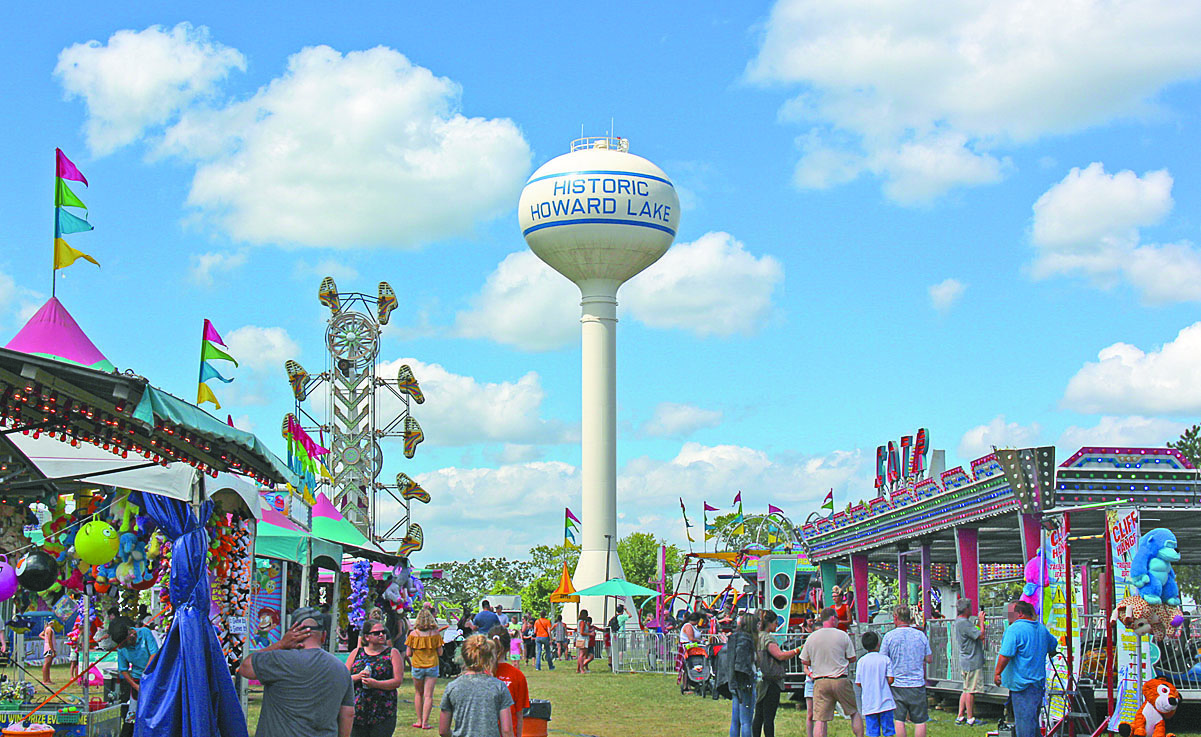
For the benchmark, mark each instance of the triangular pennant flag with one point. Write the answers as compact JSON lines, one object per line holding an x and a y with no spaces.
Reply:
{"x":212,"y":352}
{"x":65,"y":255}
{"x":737,"y":498}
{"x":828,"y":504}
{"x":740,"y":530}
{"x":229,"y":420}
{"x":204,"y":394}
{"x":64,"y":169}
{"x":570,"y":515}
{"x":65,"y":223}
{"x":710,"y":508}
{"x":210,"y":333}
{"x":208,"y":372}
{"x":773,"y":509}
{"x":64,"y":197}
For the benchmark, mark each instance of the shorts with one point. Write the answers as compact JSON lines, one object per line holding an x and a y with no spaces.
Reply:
{"x":973,"y":681}
{"x":911,"y":704}
{"x":879,"y":725}
{"x":419,"y":673}
{"x":830,"y":691}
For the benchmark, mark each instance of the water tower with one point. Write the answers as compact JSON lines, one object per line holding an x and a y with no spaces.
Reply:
{"x":599,"y":215}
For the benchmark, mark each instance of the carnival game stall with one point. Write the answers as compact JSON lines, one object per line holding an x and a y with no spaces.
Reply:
{"x":129,"y":476}
{"x":1069,"y":535}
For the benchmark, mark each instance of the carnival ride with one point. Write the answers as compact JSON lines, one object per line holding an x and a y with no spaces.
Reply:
{"x":355,"y":418}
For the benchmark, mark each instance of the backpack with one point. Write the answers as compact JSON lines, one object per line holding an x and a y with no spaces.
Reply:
{"x":613,"y":625}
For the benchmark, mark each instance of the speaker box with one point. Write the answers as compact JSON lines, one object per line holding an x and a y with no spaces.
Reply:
{"x":778,"y":588}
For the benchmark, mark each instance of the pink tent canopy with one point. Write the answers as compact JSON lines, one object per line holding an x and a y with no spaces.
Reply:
{"x":325,"y":508}
{"x":276,"y":518}
{"x":53,"y":333}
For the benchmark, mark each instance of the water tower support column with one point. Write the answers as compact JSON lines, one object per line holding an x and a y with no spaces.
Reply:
{"x":599,"y":438}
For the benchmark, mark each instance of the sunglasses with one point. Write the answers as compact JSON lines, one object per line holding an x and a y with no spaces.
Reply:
{"x":378,"y":632}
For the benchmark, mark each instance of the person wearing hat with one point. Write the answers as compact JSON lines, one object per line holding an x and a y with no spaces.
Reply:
{"x":307,"y":692}
{"x":970,"y":639}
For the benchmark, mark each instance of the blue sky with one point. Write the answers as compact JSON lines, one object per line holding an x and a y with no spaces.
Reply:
{"x":978,"y":219}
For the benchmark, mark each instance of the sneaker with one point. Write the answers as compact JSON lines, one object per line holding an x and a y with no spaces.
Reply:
{"x":961,"y":720}
{"x":974,"y":722}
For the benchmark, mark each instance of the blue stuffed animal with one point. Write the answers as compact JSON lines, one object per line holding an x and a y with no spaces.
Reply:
{"x":1151,"y":570}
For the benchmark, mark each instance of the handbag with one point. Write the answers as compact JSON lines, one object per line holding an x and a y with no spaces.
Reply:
{"x":581,"y":642}
{"x":772,"y":669}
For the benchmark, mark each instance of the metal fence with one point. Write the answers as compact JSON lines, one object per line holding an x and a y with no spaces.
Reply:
{"x":645,"y":652}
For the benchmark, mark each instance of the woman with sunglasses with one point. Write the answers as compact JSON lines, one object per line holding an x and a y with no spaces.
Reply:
{"x":377,"y":670}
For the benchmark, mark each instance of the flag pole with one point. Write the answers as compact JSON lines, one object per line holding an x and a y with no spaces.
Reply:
{"x":53,"y":245}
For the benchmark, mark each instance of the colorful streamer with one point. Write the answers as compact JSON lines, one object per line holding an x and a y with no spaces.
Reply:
{"x":570,"y":528}
{"x":209,"y":340}
{"x":65,"y":222}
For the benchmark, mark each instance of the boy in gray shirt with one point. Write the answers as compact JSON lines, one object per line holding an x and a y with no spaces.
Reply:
{"x":970,"y":640}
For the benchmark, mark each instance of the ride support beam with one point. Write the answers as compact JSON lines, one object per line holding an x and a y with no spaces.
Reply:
{"x":1032,"y":535}
{"x":967,"y":550}
{"x":829,"y":580}
{"x":927,"y":601}
{"x":859,"y":579}
{"x":903,"y":577}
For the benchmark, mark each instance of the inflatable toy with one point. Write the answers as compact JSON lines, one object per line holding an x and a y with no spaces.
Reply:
{"x":37,"y":571}
{"x":96,"y":543}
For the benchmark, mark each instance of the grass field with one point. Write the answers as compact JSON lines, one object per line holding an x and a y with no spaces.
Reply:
{"x":601,"y":704}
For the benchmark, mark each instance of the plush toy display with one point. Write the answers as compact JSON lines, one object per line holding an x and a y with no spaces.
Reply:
{"x":1151,"y":569}
{"x":1036,"y":578}
{"x":1141,"y":618}
{"x":1160,"y":701}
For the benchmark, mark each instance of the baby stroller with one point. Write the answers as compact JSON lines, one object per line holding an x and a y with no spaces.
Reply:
{"x":448,"y":665}
{"x":715,"y":657}
{"x":694,"y":669}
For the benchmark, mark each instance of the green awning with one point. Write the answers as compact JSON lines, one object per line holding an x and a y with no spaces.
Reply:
{"x":281,"y":543}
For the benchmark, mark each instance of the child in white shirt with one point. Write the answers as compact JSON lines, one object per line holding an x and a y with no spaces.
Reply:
{"x":873,"y":675}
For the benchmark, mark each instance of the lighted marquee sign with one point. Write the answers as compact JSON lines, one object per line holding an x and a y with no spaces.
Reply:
{"x":904,"y":462}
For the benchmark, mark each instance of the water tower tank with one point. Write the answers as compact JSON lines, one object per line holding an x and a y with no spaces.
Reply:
{"x":599,"y":213}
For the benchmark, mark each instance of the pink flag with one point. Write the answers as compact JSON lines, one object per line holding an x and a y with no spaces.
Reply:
{"x":229,"y":420}
{"x":64,"y":169}
{"x":710,"y":508}
{"x":738,"y":498}
{"x":773,"y":509}
{"x":210,"y":334}
{"x":572,"y":516}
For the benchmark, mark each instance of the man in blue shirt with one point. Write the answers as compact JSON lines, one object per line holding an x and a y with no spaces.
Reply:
{"x":1021,"y":667}
{"x":486,"y":619}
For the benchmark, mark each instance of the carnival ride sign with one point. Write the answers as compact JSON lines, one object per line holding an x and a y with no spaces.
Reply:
{"x":1055,"y":615}
{"x":904,"y":462}
{"x":1122,"y":533}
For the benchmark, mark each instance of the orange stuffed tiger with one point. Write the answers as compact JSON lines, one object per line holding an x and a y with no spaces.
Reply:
{"x":1160,"y":701}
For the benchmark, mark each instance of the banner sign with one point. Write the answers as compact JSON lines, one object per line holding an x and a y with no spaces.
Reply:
{"x":1122,"y":534}
{"x":266,"y":608}
{"x":1055,"y":615}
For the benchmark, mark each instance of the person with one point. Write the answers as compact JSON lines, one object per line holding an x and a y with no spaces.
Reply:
{"x":1021,"y":667}
{"x":827,"y":656}
{"x":689,"y":635}
{"x":559,"y":634}
{"x":873,"y":675}
{"x":585,"y":637}
{"x":48,"y":647}
{"x":307,"y":692}
{"x":808,"y":625}
{"x":486,"y":619}
{"x":423,"y":646}
{"x":841,"y":608}
{"x":514,"y":680}
{"x":465,"y":625}
{"x":527,"y":638}
{"x":908,"y":649}
{"x":377,"y":671}
{"x":770,"y":658}
{"x":970,"y":640}
{"x":542,"y":642}
{"x":136,"y":648}
{"x":739,"y":675}
{"x":476,"y":704}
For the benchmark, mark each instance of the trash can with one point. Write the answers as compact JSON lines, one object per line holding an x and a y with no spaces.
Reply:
{"x":537,"y":714}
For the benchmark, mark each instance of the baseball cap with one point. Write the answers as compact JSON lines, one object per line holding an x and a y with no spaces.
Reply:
{"x":321,"y":619}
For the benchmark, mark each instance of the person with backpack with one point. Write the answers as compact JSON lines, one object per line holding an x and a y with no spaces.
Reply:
{"x":770,"y":658}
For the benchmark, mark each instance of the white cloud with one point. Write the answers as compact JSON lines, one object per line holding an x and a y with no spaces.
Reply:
{"x":678,"y":420}
{"x":1088,"y":224}
{"x":922,"y":94}
{"x":711,"y":286}
{"x":262,"y":349}
{"x":979,"y":440}
{"x":525,"y":304}
{"x":140,"y":79}
{"x":1127,"y":380}
{"x":205,"y":266}
{"x":1132,"y":432}
{"x":17,"y":302}
{"x":527,"y":499}
{"x":945,"y":294}
{"x":338,"y":269}
{"x":460,"y":410}
{"x":349,"y":150}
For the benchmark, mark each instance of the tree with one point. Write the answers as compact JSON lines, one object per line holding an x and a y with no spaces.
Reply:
{"x":639,"y":555}
{"x":546,"y":563}
{"x":465,"y":583}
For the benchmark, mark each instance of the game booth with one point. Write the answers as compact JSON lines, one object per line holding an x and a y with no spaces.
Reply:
{"x":1090,"y":543}
{"x":115,"y":495}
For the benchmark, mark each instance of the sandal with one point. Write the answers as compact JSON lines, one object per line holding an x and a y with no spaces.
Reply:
{"x":416,"y":725}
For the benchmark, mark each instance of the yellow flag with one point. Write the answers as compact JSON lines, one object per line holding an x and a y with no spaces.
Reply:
{"x":65,"y":255}
{"x":204,"y":394}
{"x":740,"y":530}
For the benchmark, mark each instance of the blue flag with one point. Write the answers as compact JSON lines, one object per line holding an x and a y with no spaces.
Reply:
{"x":208,"y":372}
{"x":65,"y":222}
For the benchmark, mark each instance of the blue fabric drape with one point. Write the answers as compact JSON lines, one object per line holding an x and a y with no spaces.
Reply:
{"x":187,"y":691}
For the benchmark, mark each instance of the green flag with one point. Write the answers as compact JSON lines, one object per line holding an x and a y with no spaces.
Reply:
{"x":64,"y":197}
{"x":210,"y":351}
